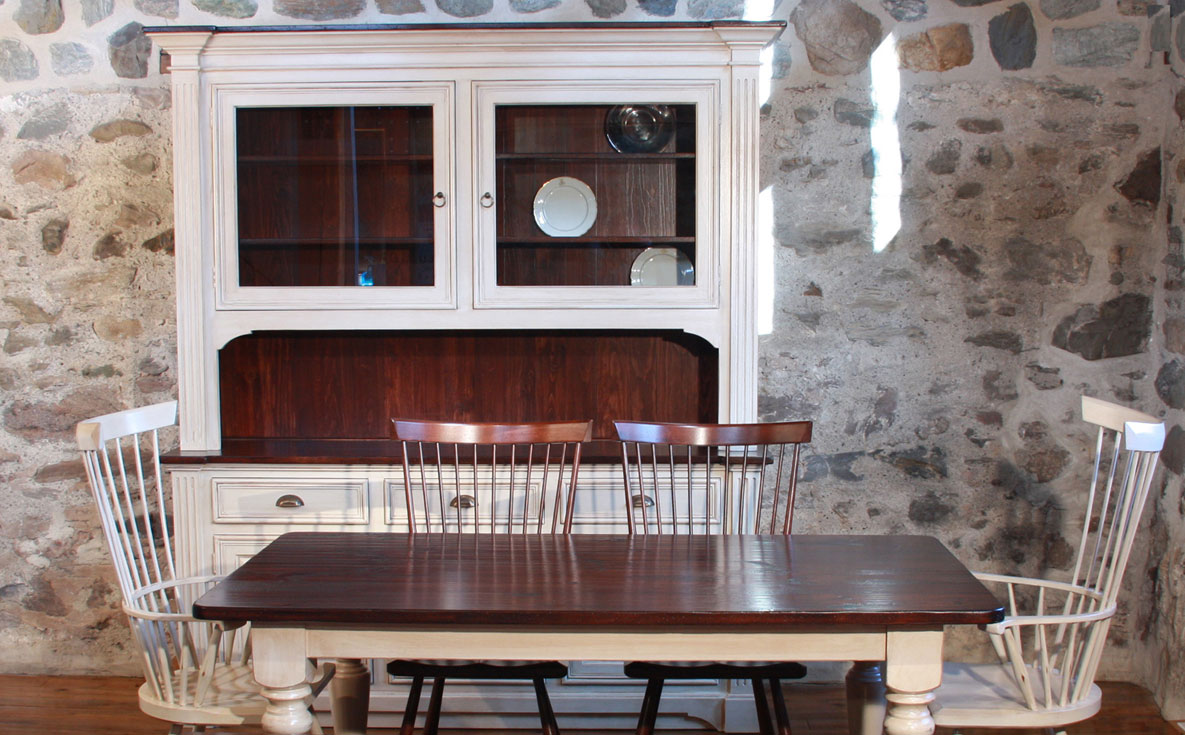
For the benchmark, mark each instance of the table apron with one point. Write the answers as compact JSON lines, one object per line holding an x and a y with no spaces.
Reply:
{"x":798,"y":644}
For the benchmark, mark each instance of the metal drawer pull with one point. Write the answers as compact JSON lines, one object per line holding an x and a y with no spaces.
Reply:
{"x":289,"y":501}
{"x":438,"y":200}
{"x":643,"y":500}
{"x":463,"y":501}
{"x":487,"y":200}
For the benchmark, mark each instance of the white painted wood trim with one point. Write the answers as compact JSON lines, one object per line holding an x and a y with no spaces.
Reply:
{"x":742,"y":368}
{"x":196,"y":358}
{"x":532,"y":643}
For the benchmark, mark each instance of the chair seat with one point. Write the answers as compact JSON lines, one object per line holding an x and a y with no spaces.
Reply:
{"x":984,"y":695}
{"x":478,"y":669}
{"x":715,"y":670}
{"x":233,"y":698}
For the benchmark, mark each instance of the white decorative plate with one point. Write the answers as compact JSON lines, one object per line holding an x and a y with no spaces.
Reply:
{"x":565,"y":207}
{"x":662,"y":267}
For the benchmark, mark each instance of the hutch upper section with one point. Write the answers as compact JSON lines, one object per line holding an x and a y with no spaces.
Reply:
{"x":464,"y":178}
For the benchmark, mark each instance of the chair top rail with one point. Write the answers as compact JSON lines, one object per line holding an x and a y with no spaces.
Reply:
{"x":1141,"y":431}
{"x":93,"y":432}
{"x":787,"y":432}
{"x":493,"y":433}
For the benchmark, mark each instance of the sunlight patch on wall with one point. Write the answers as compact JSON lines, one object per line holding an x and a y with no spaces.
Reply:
{"x":765,"y":75}
{"x":759,"y":9}
{"x":886,"y":145}
{"x":765,"y":261}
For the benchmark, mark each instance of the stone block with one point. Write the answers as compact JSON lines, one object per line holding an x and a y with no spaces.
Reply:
{"x":1109,"y":45}
{"x":1013,"y":38}
{"x":37,"y":17}
{"x":320,"y":9}
{"x":128,"y":50}
{"x":67,"y":59}
{"x":1115,"y":328}
{"x":248,"y":8}
{"x":17,"y":62}
{"x":839,"y":35}
{"x":606,"y":8}
{"x":937,"y":49}
{"x":1062,"y":9}
{"x":905,"y":10}
{"x":1142,"y":183}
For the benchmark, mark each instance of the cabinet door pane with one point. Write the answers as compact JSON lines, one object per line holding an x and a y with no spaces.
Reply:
{"x":335,"y":196}
{"x":595,"y":195}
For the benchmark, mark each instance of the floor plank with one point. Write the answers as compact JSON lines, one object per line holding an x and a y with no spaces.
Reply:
{"x":74,"y":705}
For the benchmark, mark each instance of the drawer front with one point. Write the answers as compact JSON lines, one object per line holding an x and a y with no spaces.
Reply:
{"x":600,"y":505}
{"x":297,"y":500}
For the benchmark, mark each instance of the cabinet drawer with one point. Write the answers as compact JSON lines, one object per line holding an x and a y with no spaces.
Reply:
{"x":267,"y":500}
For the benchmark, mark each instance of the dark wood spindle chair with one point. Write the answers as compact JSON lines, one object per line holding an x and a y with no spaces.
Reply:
{"x":713,"y":479}
{"x":466,"y":478}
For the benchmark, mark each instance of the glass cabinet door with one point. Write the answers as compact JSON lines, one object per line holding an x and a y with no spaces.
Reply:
{"x":595,"y":195}
{"x":335,"y":196}
{"x":342,"y":203}
{"x":587,"y":196}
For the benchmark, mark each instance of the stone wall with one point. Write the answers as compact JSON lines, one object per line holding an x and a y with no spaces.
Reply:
{"x":943,"y":282}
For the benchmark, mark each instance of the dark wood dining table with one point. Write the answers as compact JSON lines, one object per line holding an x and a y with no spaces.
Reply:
{"x":355,"y":596}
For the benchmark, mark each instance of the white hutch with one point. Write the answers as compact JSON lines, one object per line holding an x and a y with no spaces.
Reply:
{"x":476,"y":222}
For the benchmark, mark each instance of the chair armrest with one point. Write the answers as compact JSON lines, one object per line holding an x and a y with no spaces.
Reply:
{"x":1057,"y":603}
{"x":160,"y":601}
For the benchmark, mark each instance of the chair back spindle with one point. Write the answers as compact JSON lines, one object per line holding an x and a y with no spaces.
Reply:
{"x":490,"y":477}
{"x":711,"y":478}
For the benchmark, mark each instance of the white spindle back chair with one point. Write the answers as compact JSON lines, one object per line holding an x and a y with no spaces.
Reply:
{"x":197,"y":672}
{"x":1051,"y":641}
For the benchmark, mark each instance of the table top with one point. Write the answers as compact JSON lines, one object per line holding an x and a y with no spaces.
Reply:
{"x":607,"y":580}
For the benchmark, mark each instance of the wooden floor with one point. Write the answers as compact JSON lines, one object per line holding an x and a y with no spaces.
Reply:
{"x":33,"y":705}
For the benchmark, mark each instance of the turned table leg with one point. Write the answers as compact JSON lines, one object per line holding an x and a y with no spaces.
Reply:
{"x":282,"y":669}
{"x":913,"y":670}
{"x":350,"y":694}
{"x":287,"y":710}
{"x":866,"y":698}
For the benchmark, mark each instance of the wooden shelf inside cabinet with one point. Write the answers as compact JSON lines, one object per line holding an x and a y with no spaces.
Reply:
{"x":333,"y":160}
{"x":628,"y":157}
{"x":348,"y":241}
{"x":625,"y":242}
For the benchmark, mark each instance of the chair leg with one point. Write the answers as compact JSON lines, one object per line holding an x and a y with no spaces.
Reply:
{"x":783,"y":719}
{"x":649,"y":713}
{"x":433,"y":720}
{"x":546,"y":714}
{"x":412,"y":706}
{"x":759,"y":700}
